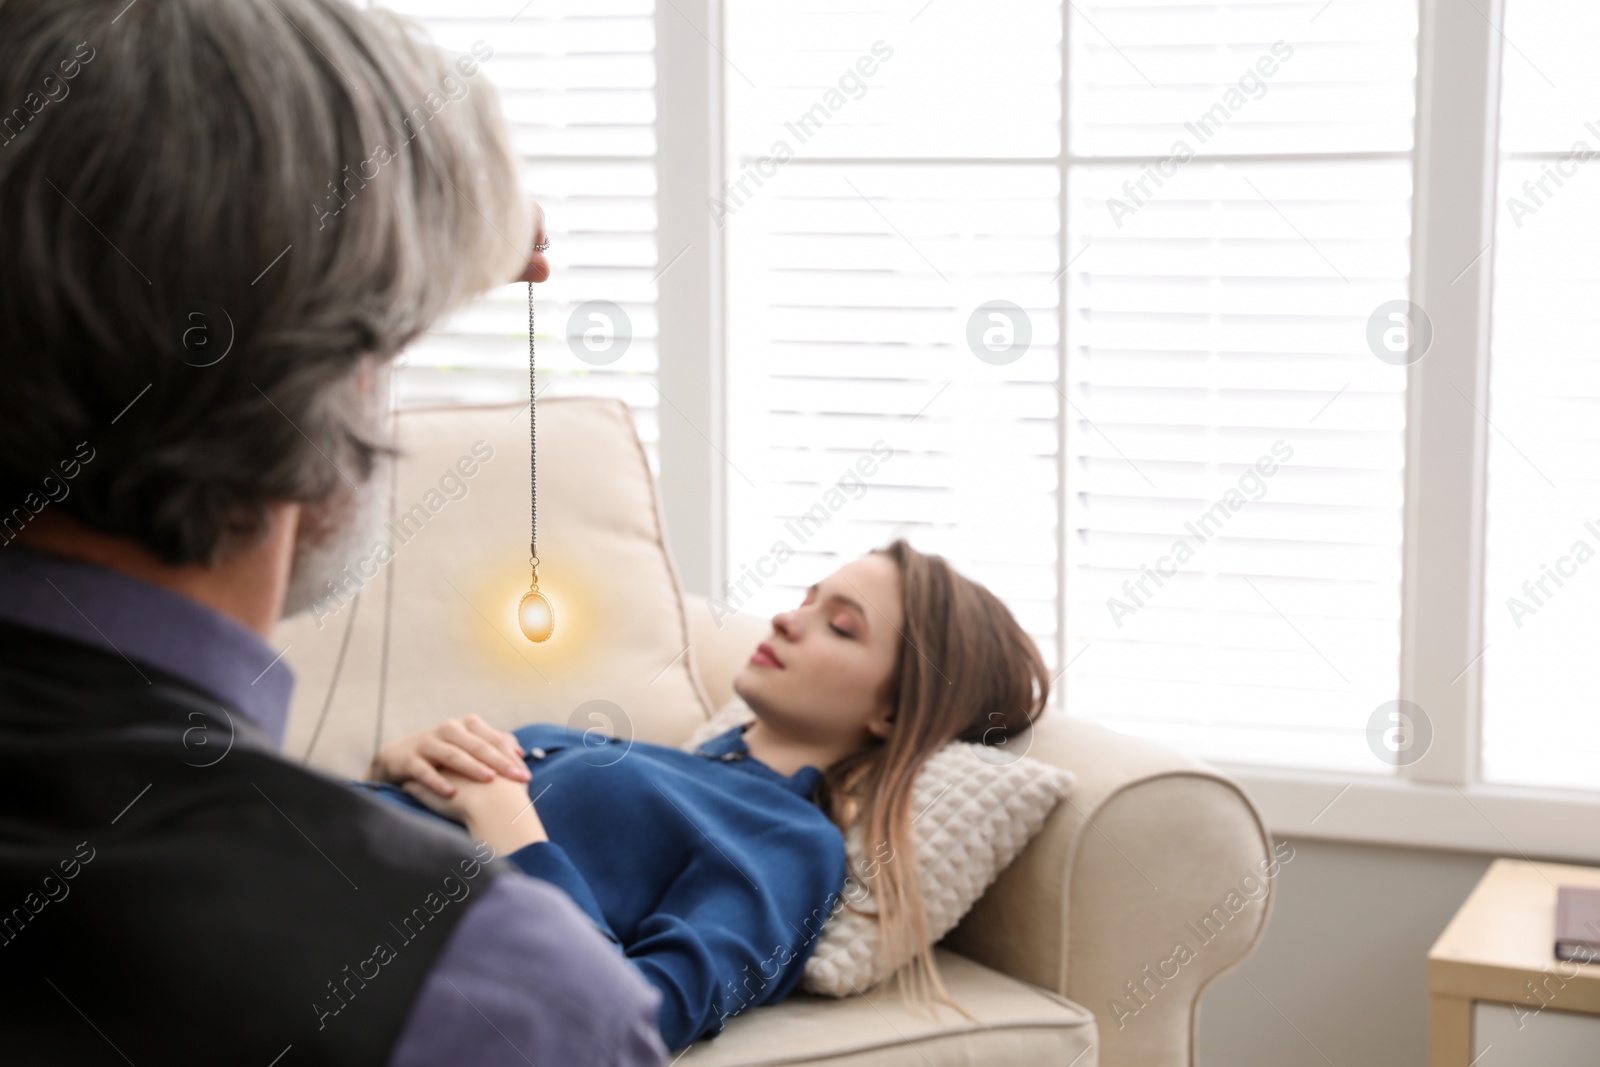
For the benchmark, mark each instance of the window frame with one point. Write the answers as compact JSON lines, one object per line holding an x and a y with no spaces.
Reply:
{"x":1440,"y":801}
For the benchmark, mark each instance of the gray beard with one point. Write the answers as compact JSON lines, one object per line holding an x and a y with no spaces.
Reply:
{"x":334,"y":535}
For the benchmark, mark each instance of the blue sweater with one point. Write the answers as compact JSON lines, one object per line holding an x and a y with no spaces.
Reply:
{"x":710,"y":871}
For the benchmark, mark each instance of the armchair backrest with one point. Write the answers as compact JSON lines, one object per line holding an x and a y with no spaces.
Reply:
{"x":425,"y":627}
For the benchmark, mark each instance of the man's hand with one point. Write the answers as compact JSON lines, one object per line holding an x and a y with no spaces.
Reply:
{"x":469,"y":747}
{"x":538,"y":267}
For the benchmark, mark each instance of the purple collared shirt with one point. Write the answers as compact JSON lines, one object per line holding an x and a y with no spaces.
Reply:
{"x":524,"y":978}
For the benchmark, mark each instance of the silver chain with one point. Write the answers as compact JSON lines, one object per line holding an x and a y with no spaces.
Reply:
{"x":533,"y":447}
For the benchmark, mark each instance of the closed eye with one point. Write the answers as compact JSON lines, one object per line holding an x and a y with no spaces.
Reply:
{"x":841,"y":632}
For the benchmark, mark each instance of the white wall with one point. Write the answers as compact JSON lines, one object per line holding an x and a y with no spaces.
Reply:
{"x":1344,"y":959}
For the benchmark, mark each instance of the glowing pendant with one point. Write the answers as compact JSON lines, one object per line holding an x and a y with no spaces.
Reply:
{"x":535,"y":617}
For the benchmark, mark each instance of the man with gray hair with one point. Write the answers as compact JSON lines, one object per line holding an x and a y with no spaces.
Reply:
{"x":219,"y":222}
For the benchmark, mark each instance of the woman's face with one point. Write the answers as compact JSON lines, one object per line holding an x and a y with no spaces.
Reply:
{"x":823,"y":673}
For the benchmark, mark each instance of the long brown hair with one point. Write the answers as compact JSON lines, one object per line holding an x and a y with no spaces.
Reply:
{"x":966,"y":671}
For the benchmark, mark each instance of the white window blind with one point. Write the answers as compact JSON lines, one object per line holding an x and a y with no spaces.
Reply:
{"x":880,"y":192}
{"x":1209,"y":315}
{"x":1541,"y":697}
{"x":577,"y":83}
{"x":1239,"y":207}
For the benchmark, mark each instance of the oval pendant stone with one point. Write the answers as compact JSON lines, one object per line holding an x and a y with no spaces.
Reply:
{"x":535,"y":616}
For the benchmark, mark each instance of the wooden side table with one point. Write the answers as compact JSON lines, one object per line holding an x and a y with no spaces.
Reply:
{"x":1499,"y":996}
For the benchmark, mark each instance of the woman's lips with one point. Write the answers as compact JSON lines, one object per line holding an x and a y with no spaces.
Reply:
{"x":765,"y":657}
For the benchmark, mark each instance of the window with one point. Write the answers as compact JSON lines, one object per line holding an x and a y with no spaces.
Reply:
{"x":1541,"y":723}
{"x":1240,"y":203}
{"x":897,"y":270}
{"x":878,"y":204}
{"x":1057,"y":288}
{"x":577,"y":84}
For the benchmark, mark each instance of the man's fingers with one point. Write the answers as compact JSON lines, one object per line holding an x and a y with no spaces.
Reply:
{"x":537,"y":268}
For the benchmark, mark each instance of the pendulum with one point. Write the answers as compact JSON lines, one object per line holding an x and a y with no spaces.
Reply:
{"x":534,"y":614}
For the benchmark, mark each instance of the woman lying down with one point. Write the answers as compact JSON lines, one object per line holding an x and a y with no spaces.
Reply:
{"x":712,"y":871}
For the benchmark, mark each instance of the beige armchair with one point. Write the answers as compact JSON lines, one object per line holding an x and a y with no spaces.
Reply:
{"x":1093,"y":947}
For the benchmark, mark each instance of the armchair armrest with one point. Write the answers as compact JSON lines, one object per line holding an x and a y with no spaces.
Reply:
{"x":1148,"y":882}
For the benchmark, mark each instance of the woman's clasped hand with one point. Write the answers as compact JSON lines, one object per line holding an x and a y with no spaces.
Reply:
{"x":467,"y":771}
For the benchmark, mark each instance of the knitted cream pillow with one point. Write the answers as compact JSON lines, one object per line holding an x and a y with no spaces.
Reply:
{"x":976,"y":807}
